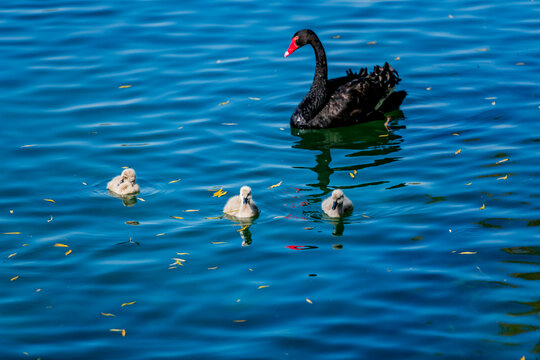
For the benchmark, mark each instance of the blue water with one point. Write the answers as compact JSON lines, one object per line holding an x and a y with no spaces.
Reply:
{"x":440,"y":259}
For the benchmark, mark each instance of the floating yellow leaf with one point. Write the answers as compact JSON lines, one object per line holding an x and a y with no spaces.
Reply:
{"x":219,"y":193}
{"x":242,"y":229}
{"x":107,"y":314}
{"x":12,"y":255}
{"x":309,"y":301}
{"x":124,"y":86}
{"x":522,"y":358}
{"x":457,"y":152}
{"x":12,"y":233}
{"x":218,"y":242}
{"x":128,"y":303}
{"x":483,"y":207}
{"x":455,"y":134}
{"x":49,"y":200}
{"x":365,"y":216}
{"x":383,"y":135}
{"x":224,"y":103}
{"x":352,"y":175}
{"x":468,"y":184}
{"x":123,"y":332}
{"x":212,"y":268}
{"x":467,"y":252}
{"x":60,"y":245}
{"x":182,"y":253}
{"x":501,"y":161}
{"x":263,"y":286}
{"x":38,"y":290}
{"x":141,"y":199}
{"x":51,"y":219}
{"x":503,"y":178}
{"x":354,"y":171}
{"x":11,"y":211}
{"x":173,"y":181}
{"x":177,"y":217}
{"x":68,"y":252}
{"x":85,"y":184}
{"x":160,"y":234}
{"x":191,"y":210}
{"x":276,"y":185}
{"x":213,"y":217}
{"x":14,"y":278}
{"x":428,"y":88}
{"x":372,"y":42}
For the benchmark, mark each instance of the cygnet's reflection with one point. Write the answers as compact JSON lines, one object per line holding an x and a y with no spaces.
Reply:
{"x":245,"y":224}
{"x":127,"y":200}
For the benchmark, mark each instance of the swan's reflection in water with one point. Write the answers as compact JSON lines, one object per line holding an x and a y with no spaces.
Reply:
{"x":245,"y":224}
{"x":366,"y":146}
{"x":127,"y":200}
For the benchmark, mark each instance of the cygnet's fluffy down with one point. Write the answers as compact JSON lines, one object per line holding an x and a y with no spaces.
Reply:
{"x":241,"y":206}
{"x":124,"y":184}
{"x":337,"y":204}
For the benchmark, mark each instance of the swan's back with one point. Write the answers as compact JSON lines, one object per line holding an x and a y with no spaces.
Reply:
{"x":356,"y":98}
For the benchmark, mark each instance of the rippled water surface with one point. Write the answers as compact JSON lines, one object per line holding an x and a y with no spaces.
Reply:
{"x":440,"y":259}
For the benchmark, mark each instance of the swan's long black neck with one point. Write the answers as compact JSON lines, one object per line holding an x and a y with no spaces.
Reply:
{"x":316,"y":98}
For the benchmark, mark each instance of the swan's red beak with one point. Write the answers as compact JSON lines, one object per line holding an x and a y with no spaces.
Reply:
{"x":292,"y":47}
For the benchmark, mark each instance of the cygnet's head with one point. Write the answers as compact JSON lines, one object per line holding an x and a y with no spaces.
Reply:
{"x":245,"y":193}
{"x":337,"y":198}
{"x":129,"y":175}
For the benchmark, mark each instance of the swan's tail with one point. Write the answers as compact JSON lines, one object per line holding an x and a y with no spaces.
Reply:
{"x":385,"y":78}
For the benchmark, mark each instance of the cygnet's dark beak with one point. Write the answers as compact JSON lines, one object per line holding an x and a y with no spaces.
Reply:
{"x":334,"y":205}
{"x":245,"y":200}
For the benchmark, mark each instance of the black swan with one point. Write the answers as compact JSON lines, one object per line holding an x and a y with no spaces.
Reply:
{"x":348,"y":100}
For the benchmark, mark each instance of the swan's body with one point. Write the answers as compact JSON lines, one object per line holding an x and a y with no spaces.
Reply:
{"x":337,"y":204}
{"x":241,"y":206}
{"x":348,"y":100}
{"x":124,"y":184}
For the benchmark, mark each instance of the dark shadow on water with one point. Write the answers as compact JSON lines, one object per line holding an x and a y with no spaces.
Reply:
{"x":371,"y":140}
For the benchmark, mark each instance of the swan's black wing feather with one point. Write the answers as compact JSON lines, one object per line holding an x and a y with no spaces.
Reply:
{"x":360,"y":99}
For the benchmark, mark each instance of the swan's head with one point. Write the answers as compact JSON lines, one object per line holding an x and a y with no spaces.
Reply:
{"x":245,"y":194}
{"x":128,"y":175}
{"x":300,"y":38}
{"x":337,"y":198}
